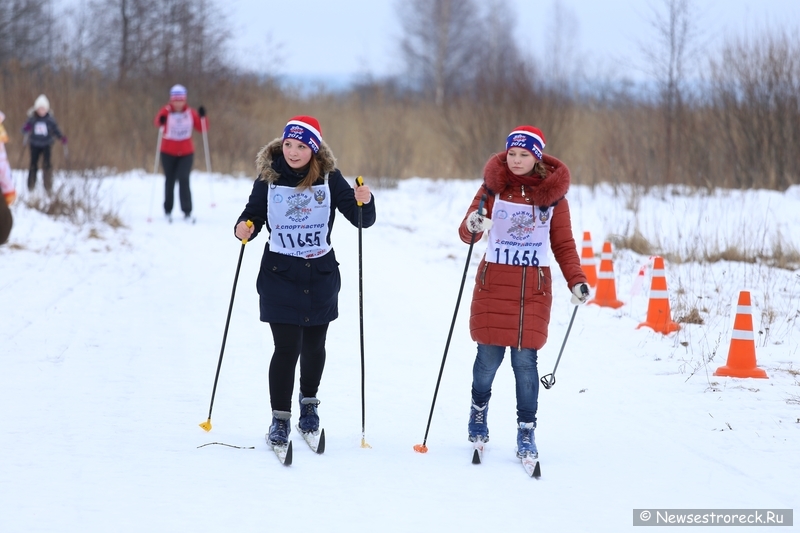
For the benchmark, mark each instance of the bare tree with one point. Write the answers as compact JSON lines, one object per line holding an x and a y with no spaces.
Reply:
{"x":157,"y":38}
{"x":670,"y":57}
{"x":439,"y":44}
{"x":755,"y":88}
{"x":26,"y":32}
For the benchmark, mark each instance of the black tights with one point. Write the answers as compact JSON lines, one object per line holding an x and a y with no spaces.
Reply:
{"x":177,"y":168}
{"x":47,"y":174}
{"x":293,"y":342}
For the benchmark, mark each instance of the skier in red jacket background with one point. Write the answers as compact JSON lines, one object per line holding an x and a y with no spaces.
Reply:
{"x":177,"y":149}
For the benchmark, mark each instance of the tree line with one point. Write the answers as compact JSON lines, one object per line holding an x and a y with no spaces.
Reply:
{"x":725,"y":116}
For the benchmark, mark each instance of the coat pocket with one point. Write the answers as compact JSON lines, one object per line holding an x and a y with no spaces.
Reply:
{"x":278,"y":265}
{"x":327,"y":270}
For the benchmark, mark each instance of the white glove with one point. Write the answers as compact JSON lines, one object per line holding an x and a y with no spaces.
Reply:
{"x":477,"y":222}
{"x":580,"y":293}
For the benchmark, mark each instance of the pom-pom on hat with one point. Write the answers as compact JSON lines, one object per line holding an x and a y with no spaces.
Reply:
{"x":527,"y":137}
{"x":306,"y":130}
{"x":177,"y":92}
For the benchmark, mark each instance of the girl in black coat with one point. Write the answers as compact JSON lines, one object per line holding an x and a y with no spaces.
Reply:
{"x":297,"y":193}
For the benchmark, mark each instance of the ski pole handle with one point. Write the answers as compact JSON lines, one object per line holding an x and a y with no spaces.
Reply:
{"x":480,"y":210}
{"x":359,"y":183}
{"x":249,"y":224}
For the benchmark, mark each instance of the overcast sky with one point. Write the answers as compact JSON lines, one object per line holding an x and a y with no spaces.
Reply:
{"x":346,"y":37}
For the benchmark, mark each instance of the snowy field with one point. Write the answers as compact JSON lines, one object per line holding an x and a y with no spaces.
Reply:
{"x":109,"y":341}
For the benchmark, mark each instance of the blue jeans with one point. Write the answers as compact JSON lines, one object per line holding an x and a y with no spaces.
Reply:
{"x":525,"y":371}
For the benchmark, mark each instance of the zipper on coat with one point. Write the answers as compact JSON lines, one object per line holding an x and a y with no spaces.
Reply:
{"x":521,"y":308}
{"x":541,"y":276}
{"x":483,"y":272}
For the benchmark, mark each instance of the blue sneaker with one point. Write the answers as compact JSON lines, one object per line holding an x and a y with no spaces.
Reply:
{"x":526,"y":444}
{"x":280,"y":428}
{"x":309,"y":419}
{"x":478,"y":428}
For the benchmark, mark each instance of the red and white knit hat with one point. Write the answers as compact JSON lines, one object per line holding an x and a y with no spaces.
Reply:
{"x":527,"y":137}
{"x":177,"y":92}
{"x":305,"y":129}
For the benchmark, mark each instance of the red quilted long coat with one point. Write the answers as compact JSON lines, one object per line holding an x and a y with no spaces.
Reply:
{"x":511,"y":304}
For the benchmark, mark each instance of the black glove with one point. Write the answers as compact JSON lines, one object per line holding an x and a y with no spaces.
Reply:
{"x":201,"y":111}
{"x":162,"y":119}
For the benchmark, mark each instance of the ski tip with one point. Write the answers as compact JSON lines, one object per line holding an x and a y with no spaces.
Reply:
{"x":537,"y":471}
{"x":476,"y":457}
{"x":420,"y":448}
{"x":321,"y":444}
{"x":288,"y":460}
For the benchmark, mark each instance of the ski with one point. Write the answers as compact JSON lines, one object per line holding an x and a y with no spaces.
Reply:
{"x":531,"y":465}
{"x":314,"y":439}
{"x":283,"y":452}
{"x":477,"y":451}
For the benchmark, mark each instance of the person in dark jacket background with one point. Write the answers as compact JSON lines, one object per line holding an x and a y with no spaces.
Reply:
{"x":527,"y":215}
{"x":297,"y":192}
{"x":40,"y":129}
{"x":177,"y":149}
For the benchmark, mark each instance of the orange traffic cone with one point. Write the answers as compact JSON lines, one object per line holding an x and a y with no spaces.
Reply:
{"x":588,"y":263}
{"x":606,"y":295}
{"x":659,"y":318}
{"x":742,"y":353}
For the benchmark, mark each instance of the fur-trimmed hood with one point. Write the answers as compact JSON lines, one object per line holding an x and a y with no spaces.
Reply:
{"x":544,"y":191}
{"x":268,"y":153}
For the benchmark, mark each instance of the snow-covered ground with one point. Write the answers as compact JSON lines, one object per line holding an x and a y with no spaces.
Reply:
{"x":109,"y":341}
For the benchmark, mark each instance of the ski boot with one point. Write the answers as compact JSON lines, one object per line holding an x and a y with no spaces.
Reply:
{"x":309,"y":419}
{"x":280,"y":428}
{"x":478,"y":428}
{"x":526,"y":444}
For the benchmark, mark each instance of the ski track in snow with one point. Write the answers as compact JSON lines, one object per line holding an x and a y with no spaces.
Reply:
{"x":109,"y":347}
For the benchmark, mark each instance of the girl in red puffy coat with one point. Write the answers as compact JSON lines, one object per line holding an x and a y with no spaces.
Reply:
{"x":178,"y":120}
{"x":526,"y":215}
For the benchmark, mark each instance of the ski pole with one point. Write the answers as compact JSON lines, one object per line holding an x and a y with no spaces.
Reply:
{"x":208,"y":157}
{"x":22,"y":150}
{"x":359,"y":183}
{"x":207,"y":424}
{"x":158,"y":148}
{"x":205,"y":144}
{"x":422,"y":448}
{"x":550,"y":379}
{"x":155,"y":170}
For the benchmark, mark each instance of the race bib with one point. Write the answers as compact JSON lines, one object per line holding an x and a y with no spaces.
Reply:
{"x":40,"y":128}
{"x":179,"y":126}
{"x":299,"y":220}
{"x":520,"y":234}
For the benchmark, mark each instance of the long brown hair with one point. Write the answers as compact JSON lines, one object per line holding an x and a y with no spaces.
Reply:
{"x":539,"y":169}
{"x":314,"y":172}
